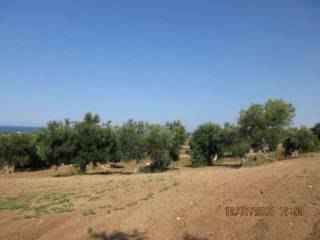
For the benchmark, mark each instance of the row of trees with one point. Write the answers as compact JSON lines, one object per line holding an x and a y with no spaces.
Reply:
{"x":261,"y":127}
{"x":91,"y":141}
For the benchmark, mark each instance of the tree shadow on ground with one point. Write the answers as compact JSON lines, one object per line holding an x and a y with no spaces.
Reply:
{"x":190,"y":237}
{"x":119,"y":236}
{"x":136,"y":235}
{"x":223,"y":165}
{"x":227,"y":165}
{"x":109,"y":173}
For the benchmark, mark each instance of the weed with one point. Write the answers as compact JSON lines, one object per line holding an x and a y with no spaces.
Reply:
{"x":118,"y":208}
{"x":175,"y":183}
{"x":131,"y":204}
{"x":165,"y":188}
{"x":88,"y":212}
{"x":89,"y":230}
{"x":95,"y":198}
{"x":149,"y":196}
{"x":105,"y":206}
{"x":60,"y":210}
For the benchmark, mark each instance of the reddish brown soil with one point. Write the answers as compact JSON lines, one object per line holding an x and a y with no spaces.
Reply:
{"x":179,"y":204}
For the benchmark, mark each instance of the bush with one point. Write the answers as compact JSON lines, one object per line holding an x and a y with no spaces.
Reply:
{"x":198,"y":160}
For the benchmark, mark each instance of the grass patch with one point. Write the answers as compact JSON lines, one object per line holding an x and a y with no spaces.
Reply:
{"x":13,"y":204}
{"x":31,"y":216}
{"x":88,"y":212}
{"x":40,"y":209}
{"x":63,"y":209}
{"x":89,"y":230}
{"x":105,"y":206}
{"x":149,"y":196}
{"x":118,"y":208}
{"x":165,"y":188}
{"x":131,"y":204}
{"x":175,"y":184}
{"x":95,"y":198}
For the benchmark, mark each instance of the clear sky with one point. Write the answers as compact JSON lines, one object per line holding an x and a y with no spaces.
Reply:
{"x":196,"y":61}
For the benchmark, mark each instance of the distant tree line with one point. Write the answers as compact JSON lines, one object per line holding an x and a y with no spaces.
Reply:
{"x":261,"y":127}
{"x":92,"y":142}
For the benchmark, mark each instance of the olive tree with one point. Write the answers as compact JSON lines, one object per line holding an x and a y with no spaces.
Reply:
{"x":132,"y":140}
{"x":159,"y":141}
{"x":179,"y":138}
{"x":316,"y":130}
{"x":16,"y":150}
{"x":232,"y":143}
{"x":303,"y":140}
{"x":92,"y":142}
{"x":54,"y":143}
{"x":205,"y":143}
{"x":264,"y":125}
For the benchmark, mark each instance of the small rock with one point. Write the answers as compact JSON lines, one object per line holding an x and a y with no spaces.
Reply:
{"x":290,"y":223}
{"x":309,"y":186}
{"x":178,"y":218}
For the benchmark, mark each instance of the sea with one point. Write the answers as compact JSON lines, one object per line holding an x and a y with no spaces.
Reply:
{"x":18,"y":129}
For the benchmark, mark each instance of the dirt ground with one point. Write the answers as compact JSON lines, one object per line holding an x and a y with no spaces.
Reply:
{"x":184,"y":203}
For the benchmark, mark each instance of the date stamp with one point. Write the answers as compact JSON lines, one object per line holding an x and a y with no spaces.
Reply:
{"x":283,"y":211}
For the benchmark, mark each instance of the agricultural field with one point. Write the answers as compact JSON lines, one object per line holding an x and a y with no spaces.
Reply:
{"x":181,"y":203}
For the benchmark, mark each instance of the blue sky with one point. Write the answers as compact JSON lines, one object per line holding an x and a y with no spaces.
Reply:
{"x":196,"y":61}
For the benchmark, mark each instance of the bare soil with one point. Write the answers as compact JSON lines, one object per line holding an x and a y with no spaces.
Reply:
{"x":184,"y":203}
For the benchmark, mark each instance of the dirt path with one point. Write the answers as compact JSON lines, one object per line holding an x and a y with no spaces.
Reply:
{"x":184,"y":204}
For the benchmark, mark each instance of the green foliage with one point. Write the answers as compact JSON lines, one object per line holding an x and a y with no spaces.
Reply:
{"x":132,"y":140}
{"x":17,"y":149}
{"x":206,"y":143}
{"x":92,"y":142}
{"x":159,"y":142}
{"x":261,"y":126}
{"x":316,"y":130}
{"x":303,"y":140}
{"x":264,"y":125}
{"x":232,"y":143}
{"x":210,"y":140}
{"x":179,"y":138}
{"x":54,"y":143}
{"x":198,"y":160}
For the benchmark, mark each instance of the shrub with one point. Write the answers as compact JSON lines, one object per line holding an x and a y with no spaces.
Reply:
{"x":198,"y":160}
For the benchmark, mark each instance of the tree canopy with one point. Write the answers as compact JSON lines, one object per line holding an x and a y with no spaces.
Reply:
{"x":264,"y":125}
